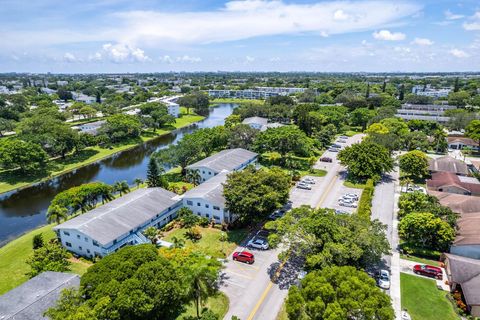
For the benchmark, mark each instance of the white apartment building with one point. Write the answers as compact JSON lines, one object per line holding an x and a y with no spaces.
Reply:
{"x":428,"y":91}
{"x":429,"y":112}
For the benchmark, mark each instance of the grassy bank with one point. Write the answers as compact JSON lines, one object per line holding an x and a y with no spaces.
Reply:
{"x":13,"y":256}
{"x":422,"y":299}
{"x":11,"y":180}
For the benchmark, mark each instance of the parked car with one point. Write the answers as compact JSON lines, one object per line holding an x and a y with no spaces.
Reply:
{"x":342,"y":141}
{"x":335,"y":146}
{"x":288,"y":205}
{"x":343,"y":137}
{"x":384,"y":279}
{"x":258,"y":243}
{"x":244,"y":256}
{"x":304,"y":186}
{"x":350,"y":196}
{"x":348,"y":204}
{"x":341,"y":211}
{"x":263,"y":234}
{"x":333,"y":149}
{"x":326,"y":159}
{"x":308,"y":180}
{"x":347,"y":200}
{"x":276,"y":214}
{"x":429,"y":271}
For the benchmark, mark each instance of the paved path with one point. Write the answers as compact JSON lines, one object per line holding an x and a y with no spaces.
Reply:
{"x":258,"y":291}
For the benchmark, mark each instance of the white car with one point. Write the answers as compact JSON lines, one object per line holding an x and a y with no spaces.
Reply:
{"x":304,"y":186}
{"x":346,"y":200}
{"x":308,"y":180}
{"x":258,"y":243}
{"x":350,"y":196}
{"x":333,"y":149}
{"x":348,"y":204}
{"x":384,"y":279}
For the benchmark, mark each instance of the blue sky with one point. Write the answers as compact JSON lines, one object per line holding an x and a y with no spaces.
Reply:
{"x":246,"y":35}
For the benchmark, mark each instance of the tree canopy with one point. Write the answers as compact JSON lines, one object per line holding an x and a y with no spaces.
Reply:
{"x":24,"y":155}
{"x":286,"y":139}
{"x":414,"y":164}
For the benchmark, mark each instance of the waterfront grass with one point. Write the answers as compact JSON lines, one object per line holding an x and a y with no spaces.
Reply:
{"x":210,"y":243}
{"x":423,"y":301}
{"x":218,"y":304}
{"x":11,"y":179}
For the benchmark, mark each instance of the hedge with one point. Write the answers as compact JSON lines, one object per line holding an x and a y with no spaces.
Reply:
{"x":365,"y":203}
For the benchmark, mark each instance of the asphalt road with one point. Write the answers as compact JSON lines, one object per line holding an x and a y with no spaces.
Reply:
{"x":258,"y":291}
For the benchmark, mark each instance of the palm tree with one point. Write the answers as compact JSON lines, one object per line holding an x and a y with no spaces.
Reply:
{"x":194,"y":177}
{"x":121,"y":186}
{"x":138,"y":182}
{"x":203,"y":277}
{"x":178,"y":242}
{"x":406,"y":181}
{"x":56,"y":214}
{"x":106,"y":195}
{"x":151,"y":233}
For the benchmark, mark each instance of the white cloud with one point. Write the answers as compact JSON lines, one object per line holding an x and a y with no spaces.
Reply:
{"x":452,"y":16}
{"x":459,"y":53}
{"x":254,"y":18}
{"x":69,"y":57}
{"x":166,"y":59}
{"x":340,"y":15}
{"x":474,"y":24}
{"x":422,"y":42}
{"x":249,"y":59}
{"x":187,"y":58}
{"x":120,"y":52}
{"x":275,"y":59}
{"x":388,"y":36}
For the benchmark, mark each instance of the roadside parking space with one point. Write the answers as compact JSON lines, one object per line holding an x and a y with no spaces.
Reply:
{"x":341,"y":190}
{"x":301,"y":197}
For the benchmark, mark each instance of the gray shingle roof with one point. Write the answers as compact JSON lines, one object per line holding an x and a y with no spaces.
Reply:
{"x":466,"y":272}
{"x":30,"y":300}
{"x":108,"y":222}
{"x":210,"y":190}
{"x":229,"y":159}
{"x":256,"y":120}
{"x":448,"y":164}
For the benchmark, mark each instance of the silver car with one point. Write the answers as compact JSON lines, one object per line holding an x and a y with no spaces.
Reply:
{"x":258,"y":243}
{"x":348,"y":204}
{"x":304,"y":186}
{"x":308,"y":180}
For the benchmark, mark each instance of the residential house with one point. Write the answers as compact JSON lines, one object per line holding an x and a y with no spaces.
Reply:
{"x":464,"y":275}
{"x":118,"y":223}
{"x":467,"y":240}
{"x":207,"y":200}
{"x":460,"y":142}
{"x":31,"y":299}
{"x":229,"y":160}
{"x":448,"y":164}
{"x":80,"y":97}
{"x":452,"y":183}
{"x":90,"y":128}
{"x":255,"y":122}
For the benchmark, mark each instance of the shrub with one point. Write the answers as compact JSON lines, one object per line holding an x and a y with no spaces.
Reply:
{"x":204,"y":222}
{"x":365,"y":203}
{"x":37,"y":241}
{"x":194,"y":234}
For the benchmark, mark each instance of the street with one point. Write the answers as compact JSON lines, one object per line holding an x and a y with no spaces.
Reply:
{"x":258,"y":291}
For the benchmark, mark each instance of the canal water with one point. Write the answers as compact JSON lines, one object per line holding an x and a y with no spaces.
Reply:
{"x":23,"y":210}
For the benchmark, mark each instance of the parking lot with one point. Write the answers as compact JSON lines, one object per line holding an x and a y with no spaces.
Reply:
{"x":301,"y":197}
{"x":338,"y":190}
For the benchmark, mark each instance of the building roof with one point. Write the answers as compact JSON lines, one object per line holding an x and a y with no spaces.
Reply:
{"x":462,"y":140}
{"x":255,"y":120}
{"x":448,"y":164}
{"x":444,"y":179}
{"x":118,"y":217}
{"x":30,"y":300}
{"x":271,"y":126}
{"x":210,"y":190}
{"x":466,"y":272}
{"x":229,"y":160}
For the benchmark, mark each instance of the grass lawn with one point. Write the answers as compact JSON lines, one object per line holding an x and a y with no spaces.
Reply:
{"x":11,"y":180}
{"x":13,"y":255}
{"x":210,"y":243}
{"x":423,"y":301}
{"x":238,"y":101}
{"x":350,"y":133}
{"x":218,"y":304}
{"x":421,"y":260}
{"x":314,"y":173}
{"x":174,"y":178}
{"x":282,"y":314}
{"x":351,"y":184}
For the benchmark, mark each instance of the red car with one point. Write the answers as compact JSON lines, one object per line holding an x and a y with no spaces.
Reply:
{"x":326,"y":159}
{"x":429,"y":271}
{"x":244,"y":256}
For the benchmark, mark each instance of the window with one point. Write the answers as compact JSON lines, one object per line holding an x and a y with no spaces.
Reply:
{"x":80,"y":248}
{"x":216,"y":208}
{"x":207,"y":215}
{"x":95,"y":243}
{"x":88,"y":250}
{"x":209,"y":172}
{"x":78,"y":236}
{"x":198,"y":204}
{"x":86,"y":239}
{"x":203,"y":172}
{"x":190,"y":203}
{"x":68,"y":244}
{"x":216,"y":217}
{"x":66,"y":233}
{"x":115,"y":241}
{"x":207,"y":206}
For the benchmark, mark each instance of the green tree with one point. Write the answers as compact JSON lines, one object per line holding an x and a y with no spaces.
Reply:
{"x":121,"y":127}
{"x":366,"y":160}
{"x":439,"y":142}
{"x":426,"y":230}
{"x":473,"y":130}
{"x":187,"y":218}
{"x":24,"y":155}
{"x":56,"y":214}
{"x":155,"y":115}
{"x":138,"y":182}
{"x":414,"y":164}
{"x":419,"y":202}
{"x":151,"y":233}
{"x":338,"y":293}
{"x":286,"y":139}
{"x":377,"y":128}
{"x":84,"y":197}
{"x":194,"y":177}
{"x":50,"y":257}
{"x":416,"y":140}
{"x":361,"y":117}
{"x":6,"y":125}
{"x":459,"y":98}
{"x":197,"y":100}
{"x":154,"y":174}
{"x":37,"y":241}
{"x":242,"y":136}
{"x":232,"y":120}
{"x":253,"y":194}
{"x":121,"y":187}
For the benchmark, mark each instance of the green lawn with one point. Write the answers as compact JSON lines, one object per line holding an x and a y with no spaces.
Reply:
{"x":313,"y":172}
{"x":282,"y":314}
{"x":421,"y":260}
{"x":218,"y":304}
{"x":351,"y":133}
{"x":13,"y":255}
{"x":11,"y":180}
{"x":210,"y":243}
{"x":422,"y":299}
{"x":351,"y":184}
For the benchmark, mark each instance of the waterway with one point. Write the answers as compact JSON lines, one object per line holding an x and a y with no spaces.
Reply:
{"x":23,"y":210}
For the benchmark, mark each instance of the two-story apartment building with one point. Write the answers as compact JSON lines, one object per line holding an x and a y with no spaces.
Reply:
{"x":229,"y":160}
{"x":118,"y":223}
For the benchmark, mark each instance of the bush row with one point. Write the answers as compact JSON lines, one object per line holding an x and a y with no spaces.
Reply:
{"x":365,"y":203}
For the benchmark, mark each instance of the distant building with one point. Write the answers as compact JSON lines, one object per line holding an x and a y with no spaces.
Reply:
{"x":229,"y":160}
{"x":90,"y":128}
{"x":283,"y":90}
{"x":173,"y":107}
{"x":207,"y":200}
{"x":31,"y":299}
{"x":272,"y":125}
{"x":242,"y":94}
{"x":451,"y":183}
{"x":118,"y":223}
{"x":428,"y":91}
{"x":80,"y":97}
{"x":448,"y":164}
{"x":430,"y":112}
{"x":459,"y":143}
{"x":61,"y":83}
{"x":255,"y":122}
{"x":48,"y":90}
